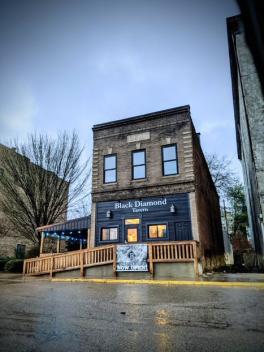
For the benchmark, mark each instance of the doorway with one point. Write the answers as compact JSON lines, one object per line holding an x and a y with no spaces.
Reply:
{"x":131,"y":234}
{"x":132,"y":230}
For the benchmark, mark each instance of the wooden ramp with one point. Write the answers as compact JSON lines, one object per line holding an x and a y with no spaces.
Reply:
{"x":158,"y":252}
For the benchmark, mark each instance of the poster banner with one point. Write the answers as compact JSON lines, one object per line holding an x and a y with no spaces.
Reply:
{"x":132,"y":257}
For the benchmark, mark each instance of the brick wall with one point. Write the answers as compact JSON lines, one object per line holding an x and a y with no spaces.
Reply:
{"x":172,"y":129}
{"x":207,"y":205}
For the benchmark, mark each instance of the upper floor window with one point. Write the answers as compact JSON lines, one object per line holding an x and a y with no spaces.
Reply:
{"x":138,"y":164}
{"x":110,"y":168}
{"x":169,"y":160}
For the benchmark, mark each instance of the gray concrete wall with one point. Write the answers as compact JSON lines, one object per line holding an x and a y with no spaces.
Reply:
{"x":174,"y":270}
{"x":251,"y":108}
{"x":161,"y":271}
{"x":101,"y":271}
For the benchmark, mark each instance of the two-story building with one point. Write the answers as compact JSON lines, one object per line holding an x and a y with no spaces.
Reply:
{"x":151,"y":183}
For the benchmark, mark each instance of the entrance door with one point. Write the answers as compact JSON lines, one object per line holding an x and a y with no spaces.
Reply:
{"x":132,"y":230}
{"x":131,"y":234}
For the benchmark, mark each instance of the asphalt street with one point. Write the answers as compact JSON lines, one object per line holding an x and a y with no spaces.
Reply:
{"x":38,"y":315}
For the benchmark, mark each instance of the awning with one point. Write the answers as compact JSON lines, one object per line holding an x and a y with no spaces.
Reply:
{"x":74,"y":228}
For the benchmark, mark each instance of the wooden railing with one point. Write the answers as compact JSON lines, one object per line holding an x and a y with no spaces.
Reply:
{"x":173,"y":252}
{"x":158,"y":252}
{"x":69,"y":261}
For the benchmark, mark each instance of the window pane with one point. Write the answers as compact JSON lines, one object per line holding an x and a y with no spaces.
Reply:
{"x":138,"y":158}
{"x":169,"y":153}
{"x":105,"y":234}
{"x":162,"y":229}
{"x":157,"y":231}
{"x":170,"y":168}
{"x":139,"y":172}
{"x":110,"y":162}
{"x":109,"y":234}
{"x":132,"y":235}
{"x":152,"y":231}
{"x":132,"y":221}
{"x":110,"y":176}
{"x":113,"y":233}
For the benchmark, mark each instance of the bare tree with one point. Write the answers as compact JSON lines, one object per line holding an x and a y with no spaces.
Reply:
{"x":43,"y":178}
{"x":231,"y":194}
{"x":4,"y":227}
{"x":222,"y":174}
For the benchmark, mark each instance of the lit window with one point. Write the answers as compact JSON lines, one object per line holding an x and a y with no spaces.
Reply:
{"x":157,"y":231}
{"x":109,"y":234}
{"x":169,"y":160}
{"x":110,"y":168}
{"x":132,"y":221}
{"x":132,"y":235}
{"x":138,"y":164}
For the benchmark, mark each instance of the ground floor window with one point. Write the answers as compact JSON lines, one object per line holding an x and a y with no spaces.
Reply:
{"x":157,"y":231}
{"x":109,"y":234}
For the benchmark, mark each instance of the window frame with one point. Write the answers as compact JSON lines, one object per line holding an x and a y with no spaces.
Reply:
{"x":133,"y":166}
{"x":157,"y":238}
{"x":165,"y":161}
{"x":104,"y":169}
{"x":108,"y":227}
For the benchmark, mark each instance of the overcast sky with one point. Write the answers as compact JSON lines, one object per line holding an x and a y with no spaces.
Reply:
{"x":71,"y":64}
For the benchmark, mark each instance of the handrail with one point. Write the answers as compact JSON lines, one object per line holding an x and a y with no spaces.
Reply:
{"x":158,"y":252}
{"x":173,"y":251}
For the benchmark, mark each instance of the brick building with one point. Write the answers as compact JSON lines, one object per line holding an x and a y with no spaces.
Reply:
{"x":11,"y":242}
{"x":249,"y":122}
{"x":151,"y":183}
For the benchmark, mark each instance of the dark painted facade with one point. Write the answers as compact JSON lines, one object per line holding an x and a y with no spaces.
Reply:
{"x":148,"y":211}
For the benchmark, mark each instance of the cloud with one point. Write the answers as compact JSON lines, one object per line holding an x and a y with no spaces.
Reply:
{"x":18,"y":109}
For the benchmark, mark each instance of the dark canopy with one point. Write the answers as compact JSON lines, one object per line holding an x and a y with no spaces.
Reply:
{"x":74,"y":228}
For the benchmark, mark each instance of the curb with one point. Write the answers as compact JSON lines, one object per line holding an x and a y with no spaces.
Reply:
{"x":257,"y":285}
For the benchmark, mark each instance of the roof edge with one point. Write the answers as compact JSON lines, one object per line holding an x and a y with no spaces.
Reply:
{"x":138,"y":118}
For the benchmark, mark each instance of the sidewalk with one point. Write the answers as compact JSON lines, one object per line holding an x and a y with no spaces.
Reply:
{"x":217,"y":279}
{"x":245,"y":280}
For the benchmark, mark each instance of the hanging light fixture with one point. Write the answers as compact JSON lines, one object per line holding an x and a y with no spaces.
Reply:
{"x":172,"y":209}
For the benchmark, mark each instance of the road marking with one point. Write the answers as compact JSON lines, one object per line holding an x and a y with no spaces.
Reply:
{"x":259,"y":285}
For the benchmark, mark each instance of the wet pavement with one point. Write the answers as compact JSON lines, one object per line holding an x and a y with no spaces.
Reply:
{"x":38,"y":315}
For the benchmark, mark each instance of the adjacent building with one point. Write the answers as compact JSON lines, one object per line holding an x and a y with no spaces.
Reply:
{"x":12,"y":243}
{"x":249,"y":122}
{"x":151,"y":183}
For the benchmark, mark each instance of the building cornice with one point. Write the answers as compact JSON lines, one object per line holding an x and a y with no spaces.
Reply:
{"x":140,"y":118}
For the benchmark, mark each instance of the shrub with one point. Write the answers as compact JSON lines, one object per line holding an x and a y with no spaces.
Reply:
{"x":14,"y":265}
{"x":3,"y":261}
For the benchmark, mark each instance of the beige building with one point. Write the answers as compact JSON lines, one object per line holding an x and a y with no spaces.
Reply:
{"x":151,"y":168}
